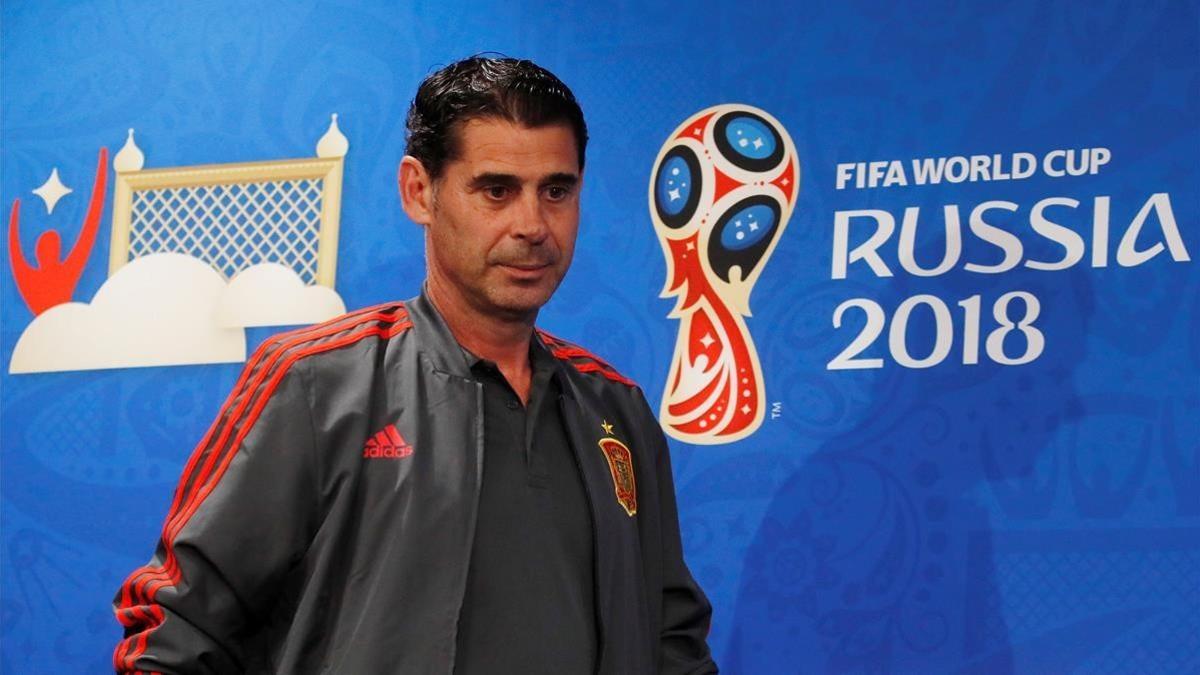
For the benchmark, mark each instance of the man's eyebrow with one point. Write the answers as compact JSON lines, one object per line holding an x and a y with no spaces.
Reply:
{"x":509,"y":180}
{"x":564,"y":179}
{"x":487,"y":179}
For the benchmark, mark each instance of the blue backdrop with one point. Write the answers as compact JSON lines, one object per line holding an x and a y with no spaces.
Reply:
{"x":961,"y":518}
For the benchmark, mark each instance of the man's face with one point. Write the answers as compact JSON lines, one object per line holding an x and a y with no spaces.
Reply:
{"x":504,"y":216}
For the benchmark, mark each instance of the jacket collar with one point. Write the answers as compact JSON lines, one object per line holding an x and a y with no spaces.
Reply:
{"x":436,"y":341}
{"x":444,"y":352}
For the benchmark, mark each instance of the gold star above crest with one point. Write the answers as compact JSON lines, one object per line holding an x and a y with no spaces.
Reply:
{"x":606,"y":427}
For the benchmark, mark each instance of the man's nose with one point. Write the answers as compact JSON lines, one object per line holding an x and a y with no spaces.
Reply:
{"x":531,"y":220}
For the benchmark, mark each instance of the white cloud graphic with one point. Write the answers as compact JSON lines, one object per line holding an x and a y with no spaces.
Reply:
{"x":158,"y":310}
{"x":270,"y":294}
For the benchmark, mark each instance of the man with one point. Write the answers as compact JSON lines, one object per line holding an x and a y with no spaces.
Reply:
{"x":435,"y":486}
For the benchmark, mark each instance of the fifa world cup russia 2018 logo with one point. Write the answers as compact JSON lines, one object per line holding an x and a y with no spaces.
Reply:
{"x":721,"y":193}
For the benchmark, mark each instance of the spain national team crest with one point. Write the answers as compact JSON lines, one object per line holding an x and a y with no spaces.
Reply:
{"x":620,"y":463}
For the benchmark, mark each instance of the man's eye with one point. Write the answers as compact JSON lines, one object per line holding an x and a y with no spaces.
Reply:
{"x":496,"y":192}
{"x":557,"y":193}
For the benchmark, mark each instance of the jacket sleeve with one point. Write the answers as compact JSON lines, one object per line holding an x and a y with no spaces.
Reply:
{"x":686,"y":612}
{"x":243,"y":516}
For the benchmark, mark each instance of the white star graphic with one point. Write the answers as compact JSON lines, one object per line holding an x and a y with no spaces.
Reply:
{"x":674,"y":194}
{"x":753,"y":227}
{"x":691,"y":246}
{"x":707,"y":340}
{"x":52,"y":190}
{"x":758,"y":143}
{"x":746,"y":409}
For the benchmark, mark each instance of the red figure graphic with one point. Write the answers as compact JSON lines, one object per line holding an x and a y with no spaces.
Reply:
{"x":53,"y":281}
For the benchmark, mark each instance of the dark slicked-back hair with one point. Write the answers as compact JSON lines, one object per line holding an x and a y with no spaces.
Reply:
{"x":516,"y":90}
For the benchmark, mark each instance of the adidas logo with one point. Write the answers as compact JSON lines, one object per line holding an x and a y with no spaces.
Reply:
{"x":388,"y":444}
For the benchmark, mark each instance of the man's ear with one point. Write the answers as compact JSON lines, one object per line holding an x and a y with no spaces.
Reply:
{"x":416,"y":190}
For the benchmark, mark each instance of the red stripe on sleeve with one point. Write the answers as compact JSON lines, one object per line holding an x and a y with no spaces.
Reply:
{"x":566,"y":351}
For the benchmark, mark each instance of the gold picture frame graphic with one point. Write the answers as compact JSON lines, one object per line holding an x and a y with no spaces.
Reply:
{"x":235,"y":215}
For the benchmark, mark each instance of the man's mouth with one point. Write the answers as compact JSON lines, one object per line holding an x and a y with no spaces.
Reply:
{"x":526,"y":266}
{"x":526,"y":271}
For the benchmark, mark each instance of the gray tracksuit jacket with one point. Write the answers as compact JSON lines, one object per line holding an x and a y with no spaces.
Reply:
{"x":325,"y":522}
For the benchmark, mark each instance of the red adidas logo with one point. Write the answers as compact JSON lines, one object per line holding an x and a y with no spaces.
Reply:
{"x":387,"y":444}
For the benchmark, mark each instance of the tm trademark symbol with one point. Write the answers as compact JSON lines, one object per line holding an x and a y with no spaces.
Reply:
{"x":776,"y":410}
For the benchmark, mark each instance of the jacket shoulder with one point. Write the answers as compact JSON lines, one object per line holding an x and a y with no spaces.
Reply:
{"x":582,"y":360}
{"x":381,"y":322}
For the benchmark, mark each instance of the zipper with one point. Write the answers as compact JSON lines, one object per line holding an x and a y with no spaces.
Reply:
{"x":466,"y":566}
{"x":587,"y":486}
